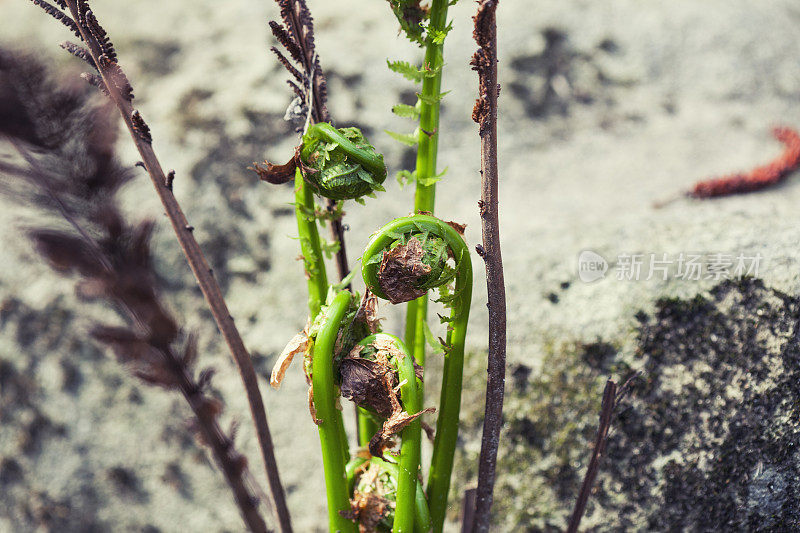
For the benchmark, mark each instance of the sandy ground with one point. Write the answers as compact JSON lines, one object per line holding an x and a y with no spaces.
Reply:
{"x":606,"y":107}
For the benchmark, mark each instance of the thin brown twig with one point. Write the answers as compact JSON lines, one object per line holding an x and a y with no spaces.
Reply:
{"x":337,"y":234}
{"x":197,"y":262}
{"x":468,"y":510}
{"x":73,"y":172}
{"x":220,"y":444}
{"x":607,"y":406}
{"x":485,"y":114}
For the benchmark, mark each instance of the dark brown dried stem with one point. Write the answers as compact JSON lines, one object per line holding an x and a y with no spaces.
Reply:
{"x":606,"y":410}
{"x":468,"y":510}
{"x":78,"y":179}
{"x":230,"y":462}
{"x":202,"y":272}
{"x":485,"y":114}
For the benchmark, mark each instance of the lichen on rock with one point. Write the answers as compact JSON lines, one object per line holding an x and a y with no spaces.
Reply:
{"x":708,"y":441}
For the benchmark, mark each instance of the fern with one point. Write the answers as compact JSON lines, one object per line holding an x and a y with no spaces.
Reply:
{"x":409,"y":139}
{"x":406,"y":111}
{"x":407,"y":70}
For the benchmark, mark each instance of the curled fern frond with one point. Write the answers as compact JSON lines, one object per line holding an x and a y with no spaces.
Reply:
{"x":340,"y":164}
{"x":409,"y":278}
{"x":409,"y":256}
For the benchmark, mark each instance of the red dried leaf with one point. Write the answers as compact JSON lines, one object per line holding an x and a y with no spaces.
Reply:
{"x":758,"y":178}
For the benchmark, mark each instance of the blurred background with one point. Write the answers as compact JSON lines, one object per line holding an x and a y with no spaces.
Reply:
{"x":606,"y":107}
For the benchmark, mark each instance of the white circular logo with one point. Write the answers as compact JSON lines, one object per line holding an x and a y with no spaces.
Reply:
{"x":591,"y":266}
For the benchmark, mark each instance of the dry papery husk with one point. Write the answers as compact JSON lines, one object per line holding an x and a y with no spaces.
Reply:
{"x":372,"y":383}
{"x":400,"y":271}
{"x":298,"y":344}
{"x":369,"y":506}
{"x":302,"y":343}
{"x":370,"y":306}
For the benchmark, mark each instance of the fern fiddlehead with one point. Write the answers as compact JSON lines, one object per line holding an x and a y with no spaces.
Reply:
{"x":339,"y":163}
{"x":395,"y":266}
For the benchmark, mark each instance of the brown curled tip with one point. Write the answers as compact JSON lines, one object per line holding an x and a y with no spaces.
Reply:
{"x":278,"y":174}
{"x":401,"y":271}
{"x":456,"y":226}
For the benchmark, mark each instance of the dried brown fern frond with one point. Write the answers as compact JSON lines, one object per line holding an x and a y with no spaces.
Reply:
{"x":68,"y":168}
{"x":113,"y":82}
{"x":296,"y":36}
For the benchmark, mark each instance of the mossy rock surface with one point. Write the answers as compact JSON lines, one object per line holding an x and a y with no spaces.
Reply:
{"x":709,"y":439}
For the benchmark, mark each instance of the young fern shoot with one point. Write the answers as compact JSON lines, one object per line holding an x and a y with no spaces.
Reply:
{"x":409,"y":255}
{"x":296,"y":35}
{"x":428,"y":29}
{"x":404,"y":259}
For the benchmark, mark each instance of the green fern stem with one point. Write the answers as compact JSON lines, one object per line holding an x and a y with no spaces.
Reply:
{"x":450,"y":397}
{"x":329,"y":419}
{"x":427,"y":151}
{"x":310,"y":245}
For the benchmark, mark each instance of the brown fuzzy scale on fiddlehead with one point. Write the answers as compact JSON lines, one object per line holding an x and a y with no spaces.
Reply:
{"x":414,"y":263}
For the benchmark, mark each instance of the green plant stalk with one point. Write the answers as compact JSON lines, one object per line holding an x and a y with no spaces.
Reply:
{"x":427,"y":151}
{"x":411,"y":441}
{"x":450,"y":398}
{"x":372,"y":163}
{"x":411,"y":437}
{"x":329,"y":418}
{"x":367,"y":427}
{"x":309,"y":245}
